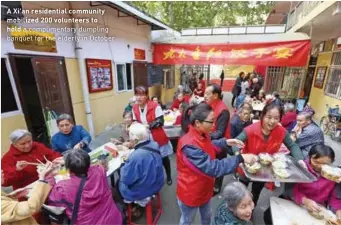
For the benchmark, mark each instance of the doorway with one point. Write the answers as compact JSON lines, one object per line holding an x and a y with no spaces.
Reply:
{"x":42,"y":85}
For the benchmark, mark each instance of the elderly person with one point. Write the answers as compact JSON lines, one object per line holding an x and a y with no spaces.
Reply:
{"x":237,"y":207}
{"x":21,"y":213}
{"x":289,"y":118}
{"x":96,"y":204}
{"x":131,"y":102}
{"x":150,"y":115}
{"x":124,"y":137}
{"x":180,"y":89}
{"x":255,"y":87}
{"x":179,"y":99}
{"x":23,"y":151}
{"x":141,"y":175}
{"x":70,"y":136}
{"x":241,"y":119}
{"x":308,"y":133}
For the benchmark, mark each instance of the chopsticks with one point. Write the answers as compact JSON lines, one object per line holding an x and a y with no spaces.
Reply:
{"x":33,"y":164}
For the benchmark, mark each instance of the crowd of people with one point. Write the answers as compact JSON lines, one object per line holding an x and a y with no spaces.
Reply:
{"x":215,"y":140}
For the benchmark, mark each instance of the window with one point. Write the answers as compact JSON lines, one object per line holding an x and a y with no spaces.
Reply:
{"x":8,"y":102}
{"x":333,"y":86}
{"x":169,"y":77}
{"x":124,"y":77}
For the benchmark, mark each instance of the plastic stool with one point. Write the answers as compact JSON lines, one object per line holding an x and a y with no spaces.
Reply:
{"x":149,"y":212}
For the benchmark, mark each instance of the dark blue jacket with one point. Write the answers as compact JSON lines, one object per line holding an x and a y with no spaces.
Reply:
{"x":62,"y":142}
{"x":214,"y":168}
{"x":237,"y":125}
{"x":142,"y":174}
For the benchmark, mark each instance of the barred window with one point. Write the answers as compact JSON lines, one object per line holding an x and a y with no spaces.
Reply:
{"x":169,"y":77}
{"x":333,"y":86}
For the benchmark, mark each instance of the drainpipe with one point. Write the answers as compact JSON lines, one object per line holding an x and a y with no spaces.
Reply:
{"x":84,"y":79}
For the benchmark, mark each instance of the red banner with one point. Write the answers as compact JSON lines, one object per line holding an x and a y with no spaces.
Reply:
{"x":289,"y":53}
{"x":139,"y":54}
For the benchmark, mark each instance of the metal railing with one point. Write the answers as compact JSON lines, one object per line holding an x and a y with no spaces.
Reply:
{"x":300,"y":11}
{"x":230,"y":30}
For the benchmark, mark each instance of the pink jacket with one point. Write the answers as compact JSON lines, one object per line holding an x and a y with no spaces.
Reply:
{"x":96,"y":206}
{"x":320,"y":191}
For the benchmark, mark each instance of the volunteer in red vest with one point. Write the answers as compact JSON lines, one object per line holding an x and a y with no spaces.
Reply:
{"x":197,"y":165}
{"x":180,"y":98}
{"x":221,"y":128}
{"x":150,"y":114}
{"x":202,"y":82}
{"x":266,"y":136}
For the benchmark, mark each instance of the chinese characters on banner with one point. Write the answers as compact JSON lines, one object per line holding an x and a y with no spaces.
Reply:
{"x":290,"y":53}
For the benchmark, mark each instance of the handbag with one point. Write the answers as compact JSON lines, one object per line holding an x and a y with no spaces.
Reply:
{"x":61,"y":217}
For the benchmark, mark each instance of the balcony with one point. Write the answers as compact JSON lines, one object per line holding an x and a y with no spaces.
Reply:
{"x":300,"y":11}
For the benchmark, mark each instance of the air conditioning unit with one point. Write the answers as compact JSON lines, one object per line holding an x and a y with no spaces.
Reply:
{"x":337,"y":10}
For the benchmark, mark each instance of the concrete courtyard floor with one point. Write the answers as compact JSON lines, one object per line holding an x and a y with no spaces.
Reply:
{"x":171,"y":213}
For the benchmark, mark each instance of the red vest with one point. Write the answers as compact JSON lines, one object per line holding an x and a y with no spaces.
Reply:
{"x":256,"y":144}
{"x":218,"y":106}
{"x":158,"y":134}
{"x":194,"y":188}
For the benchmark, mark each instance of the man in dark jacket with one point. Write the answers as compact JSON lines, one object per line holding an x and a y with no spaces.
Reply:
{"x":237,"y":87}
{"x":241,"y":119}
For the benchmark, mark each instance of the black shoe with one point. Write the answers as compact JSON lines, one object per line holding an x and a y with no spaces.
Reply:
{"x":169,"y":181}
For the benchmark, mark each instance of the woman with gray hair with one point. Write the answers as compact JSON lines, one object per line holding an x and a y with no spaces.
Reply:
{"x":17,"y":162}
{"x":70,"y":136}
{"x":142,"y":175}
{"x":237,"y":207}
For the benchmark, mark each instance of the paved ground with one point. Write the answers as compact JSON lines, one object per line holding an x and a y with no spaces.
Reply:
{"x":171,"y":213}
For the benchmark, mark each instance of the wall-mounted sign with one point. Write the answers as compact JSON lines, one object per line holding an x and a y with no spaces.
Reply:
{"x":320,"y":76}
{"x":139,"y":54}
{"x":99,"y":75}
{"x":27,"y":39}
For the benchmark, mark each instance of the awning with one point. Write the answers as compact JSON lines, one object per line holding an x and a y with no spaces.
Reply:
{"x":285,"y":53}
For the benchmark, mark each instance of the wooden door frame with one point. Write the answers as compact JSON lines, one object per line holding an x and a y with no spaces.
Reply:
{"x":11,"y":58}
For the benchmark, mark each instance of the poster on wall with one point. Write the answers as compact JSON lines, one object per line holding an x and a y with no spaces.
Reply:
{"x":99,"y":75}
{"x":320,"y":76}
{"x":139,"y":54}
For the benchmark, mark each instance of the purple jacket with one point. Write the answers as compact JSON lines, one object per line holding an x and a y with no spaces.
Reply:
{"x":320,"y":191}
{"x":335,"y":201}
{"x":96,"y":206}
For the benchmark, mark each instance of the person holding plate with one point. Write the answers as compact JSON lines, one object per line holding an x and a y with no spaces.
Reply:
{"x":266,"y":136}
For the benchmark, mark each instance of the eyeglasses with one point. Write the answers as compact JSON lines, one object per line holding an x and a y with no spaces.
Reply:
{"x":211,"y":122}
